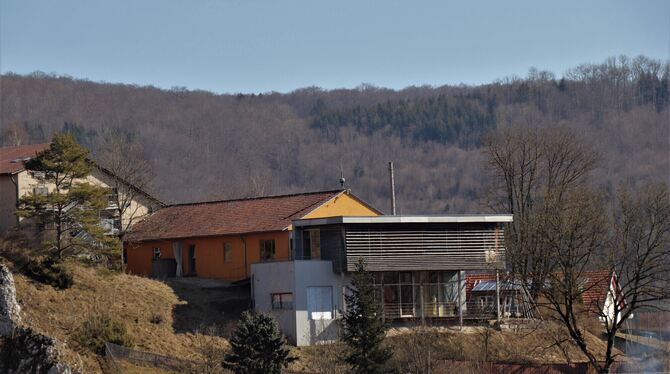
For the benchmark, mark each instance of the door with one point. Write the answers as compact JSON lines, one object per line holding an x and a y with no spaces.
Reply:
{"x":191,"y":259}
{"x":320,"y":303}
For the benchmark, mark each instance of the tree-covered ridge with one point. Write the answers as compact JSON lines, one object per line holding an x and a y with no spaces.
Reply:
{"x":458,"y":120}
{"x":208,"y":146}
{"x":463,"y":116}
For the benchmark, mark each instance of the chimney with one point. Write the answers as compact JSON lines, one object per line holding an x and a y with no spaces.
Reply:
{"x":392,"y":181}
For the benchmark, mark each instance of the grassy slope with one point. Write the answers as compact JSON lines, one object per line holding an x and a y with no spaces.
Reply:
{"x":532,"y":346}
{"x":132,"y":299}
{"x":135,"y":300}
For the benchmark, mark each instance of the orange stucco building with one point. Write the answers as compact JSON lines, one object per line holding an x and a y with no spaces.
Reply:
{"x":221,"y":239}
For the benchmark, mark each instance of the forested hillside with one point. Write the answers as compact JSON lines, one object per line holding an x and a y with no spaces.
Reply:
{"x":208,"y":146}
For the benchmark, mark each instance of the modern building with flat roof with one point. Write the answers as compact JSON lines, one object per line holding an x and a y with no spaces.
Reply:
{"x":418,"y":261}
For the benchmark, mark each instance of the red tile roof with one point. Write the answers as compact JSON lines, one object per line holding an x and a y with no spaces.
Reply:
{"x":11,"y":158}
{"x":228,"y":217}
{"x":596,"y":285}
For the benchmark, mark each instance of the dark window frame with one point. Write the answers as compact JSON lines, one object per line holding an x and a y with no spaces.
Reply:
{"x":227,"y":252}
{"x":267,"y":250}
{"x":278,"y":302}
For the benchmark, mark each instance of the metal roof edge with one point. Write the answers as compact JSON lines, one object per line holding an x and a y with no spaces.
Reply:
{"x":453,"y":218}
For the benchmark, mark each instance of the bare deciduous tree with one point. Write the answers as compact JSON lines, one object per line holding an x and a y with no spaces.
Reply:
{"x":630,"y":243}
{"x":131,"y":176}
{"x":15,"y":134}
{"x":534,"y":169}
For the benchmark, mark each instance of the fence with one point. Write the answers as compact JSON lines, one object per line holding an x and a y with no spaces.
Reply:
{"x":116,"y":353}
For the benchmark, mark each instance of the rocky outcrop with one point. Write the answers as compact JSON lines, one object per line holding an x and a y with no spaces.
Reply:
{"x":10,"y":311}
{"x":22,"y":349}
{"x":28,"y":351}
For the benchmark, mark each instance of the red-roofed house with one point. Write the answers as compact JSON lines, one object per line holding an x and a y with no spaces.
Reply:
{"x":16,"y":182}
{"x":599,"y":288}
{"x":221,"y":239}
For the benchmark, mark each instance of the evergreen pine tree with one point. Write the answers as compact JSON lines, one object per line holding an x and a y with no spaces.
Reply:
{"x":70,"y":208}
{"x":257,"y":346}
{"x":362,"y":327}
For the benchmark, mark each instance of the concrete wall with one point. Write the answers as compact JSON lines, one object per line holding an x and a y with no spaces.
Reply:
{"x":296,"y":277}
{"x":7,"y":203}
{"x":275,"y":277}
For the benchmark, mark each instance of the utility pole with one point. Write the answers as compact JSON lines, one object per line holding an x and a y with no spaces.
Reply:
{"x":392,"y":181}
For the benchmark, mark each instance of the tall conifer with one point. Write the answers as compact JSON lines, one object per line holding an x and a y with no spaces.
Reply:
{"x":363,"y":329}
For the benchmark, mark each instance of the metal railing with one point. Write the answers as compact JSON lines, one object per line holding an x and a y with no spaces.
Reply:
{"x":441,"y":300}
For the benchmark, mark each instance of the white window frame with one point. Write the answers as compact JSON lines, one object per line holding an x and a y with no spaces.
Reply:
{"x":320,"y":303}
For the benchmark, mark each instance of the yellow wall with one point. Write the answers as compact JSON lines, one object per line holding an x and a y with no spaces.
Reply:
{"x":342,"y":205}
{"x":7,"y":202}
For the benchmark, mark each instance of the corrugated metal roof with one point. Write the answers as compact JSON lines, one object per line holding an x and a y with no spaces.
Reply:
{"x":490,"y":285}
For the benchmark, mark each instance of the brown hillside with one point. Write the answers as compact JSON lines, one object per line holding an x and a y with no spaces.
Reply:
{"x":133,"y":300}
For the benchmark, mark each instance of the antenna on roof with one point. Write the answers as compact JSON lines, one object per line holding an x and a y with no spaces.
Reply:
{"x":342,"y":180}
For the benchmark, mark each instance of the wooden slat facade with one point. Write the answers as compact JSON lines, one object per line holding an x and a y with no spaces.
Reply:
{"x":451,"y":248}
{"x":410,"y":247}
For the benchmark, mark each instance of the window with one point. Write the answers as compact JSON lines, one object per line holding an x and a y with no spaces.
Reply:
{"x":282,"y":301}
{"x":112,"y":197}
{"x":227,"y":252}
{"x":38,"y":174}
{"x":40,"y":190}
{"x":311,"y":240}
{"x":486,"y":302}
{"x":267,"y":250}
{"x":191,"y":258}
{"x":320,"y":303}
{"x":157,"y":253}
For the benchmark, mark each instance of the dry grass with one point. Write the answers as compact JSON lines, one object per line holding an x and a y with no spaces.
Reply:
{"x":134,"y":300}
{"x":320,"y":359}
{"x":418,"y":348}
{"x":129,"y":368}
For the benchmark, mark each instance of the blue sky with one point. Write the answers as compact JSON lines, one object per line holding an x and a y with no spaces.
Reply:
{"x":231,"y":46}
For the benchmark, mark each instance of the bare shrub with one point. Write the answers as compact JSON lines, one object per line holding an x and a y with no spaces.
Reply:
{"x":418,"y":350}
{"x":100,"y":328}
{"x":325,"y":359}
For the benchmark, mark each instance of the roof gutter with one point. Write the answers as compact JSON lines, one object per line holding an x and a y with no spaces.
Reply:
{"x":143,"y":240}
